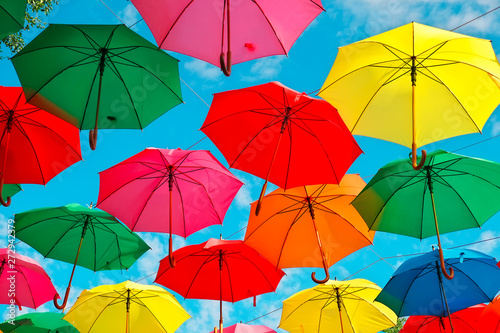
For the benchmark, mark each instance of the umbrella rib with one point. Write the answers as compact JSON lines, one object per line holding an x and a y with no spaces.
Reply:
{"x":92,"y":82}
{"x":104,"y":308}
{"x":259,"y":111}
{"x":299,"y":214}
{"x":55,"y":243}
{"x":29,"y":287}
{"x":161,"y":181}
{"x":209,"y":257}
{"x":175,"y":22}
{"x":327,"y":209}
{"x":386,"y":201}
{"x":327,"y":303}
{"x":272,"y":28}
{"x":260,"y":271}
{"x":283,"y":210}
{"x":289,"y":126}
{"x":468,"y":277}
{"x":224,"y":260}
{"x":420,"y":270}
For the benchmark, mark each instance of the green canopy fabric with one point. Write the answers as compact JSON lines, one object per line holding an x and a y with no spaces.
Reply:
{"x":11,"y":16}
{"x":397,"y":199}
{"x":73,"y":71}
{"x":107,"y":243}
{"x":9,"y":190}
{"x":38,"y":322}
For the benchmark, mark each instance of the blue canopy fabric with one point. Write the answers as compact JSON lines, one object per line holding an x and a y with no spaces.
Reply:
{"x":419,"y":288}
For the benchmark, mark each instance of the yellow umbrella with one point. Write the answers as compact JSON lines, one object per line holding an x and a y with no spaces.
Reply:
{"x":415,"y":85}
{"x":337,"y":306}
{"x":126,"y":307}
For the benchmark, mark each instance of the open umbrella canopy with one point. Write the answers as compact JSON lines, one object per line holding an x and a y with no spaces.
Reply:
{"x":33,"y":286}
{"x":126,"y":307}
{"x":309,"y":226}
{"x":417,"y":287}
{"x":439,"y":198}
{"x":35,"y":146}
{"x":414,"y":85}
{"x":73,"y":71}
{"x":281,"y":135}
{"x":464,"y":321}
{"x":337,"y":306}
{"x":224,"y":270}
{"x":223,"y":31}
{"x":168,"y":190}
{"x":11,"y":16}
{"x":75,"y":234}
{"x":38,"y":322}
{"x":490,"y":317}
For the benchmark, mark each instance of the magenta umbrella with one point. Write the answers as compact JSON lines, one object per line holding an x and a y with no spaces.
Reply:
{"x":23,"y":282}
{"x":242,"y":328}
{"x":225,"y":31}
{"x":168,"y":190}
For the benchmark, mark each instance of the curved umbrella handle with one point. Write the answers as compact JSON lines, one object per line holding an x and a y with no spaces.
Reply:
{"x":225,"y":63}
{"x":313,"y":275}
{"x":443,"y":268}
{"x":259,"y":203}
{"x":7,"y":202}
{"x":414,"y":158}
{"x":93,"y":138}
{"x":63,"y":305}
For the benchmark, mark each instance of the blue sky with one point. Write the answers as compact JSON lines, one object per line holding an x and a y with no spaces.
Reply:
{"x":305,"y":69}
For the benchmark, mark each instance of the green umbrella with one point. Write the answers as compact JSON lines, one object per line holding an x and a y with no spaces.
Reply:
{"x":38,"y":322}
{"x":9,"y":190}
{"x":458,"y":191}
{"x":63,"y":233}
{"x":73,"y":71}
{"x":11,"y":16}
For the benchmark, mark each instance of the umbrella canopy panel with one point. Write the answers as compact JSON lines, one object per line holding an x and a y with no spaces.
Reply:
{"x":38,"y":322}
{"x":11,"y":16}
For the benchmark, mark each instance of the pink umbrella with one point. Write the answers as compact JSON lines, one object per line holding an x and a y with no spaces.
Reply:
{"x":242,"y":29}
{"x":191,"y":187}
{"x":242,"y":328}
{"x":23,"y":282}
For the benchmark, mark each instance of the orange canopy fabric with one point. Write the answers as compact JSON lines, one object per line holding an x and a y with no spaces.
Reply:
{"x":284,"y":231}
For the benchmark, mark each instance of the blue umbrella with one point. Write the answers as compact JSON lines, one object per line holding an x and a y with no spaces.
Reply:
{"x":418,"y":287}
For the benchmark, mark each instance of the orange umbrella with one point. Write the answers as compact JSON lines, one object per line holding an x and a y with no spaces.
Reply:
{"x":309,"y":226}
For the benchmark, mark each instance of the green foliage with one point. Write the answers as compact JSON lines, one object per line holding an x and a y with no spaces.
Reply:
{"x":34,"y":19}
{"x":397,"y":328}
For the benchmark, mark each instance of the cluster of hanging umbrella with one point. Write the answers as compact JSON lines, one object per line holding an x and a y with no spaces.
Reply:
{"x":402,"y":86}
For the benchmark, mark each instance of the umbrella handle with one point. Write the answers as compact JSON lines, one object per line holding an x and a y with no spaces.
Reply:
{"x":443,"y":268}
{"x":225,"y":63}
{"x":63,"y":305}
{"x":93,"y":138}
{"x":414,"y":158}
{"x":259,"y":203}
{"x":171,"y":259}
{"x":7,"y":202}
{"x":313,"y":276}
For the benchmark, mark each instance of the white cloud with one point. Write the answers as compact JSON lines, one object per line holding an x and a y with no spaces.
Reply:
{"x":495,"y":125}
{"x":264,"y":69}
{"x":203,"y":69}
{"x":489,"y":246}
{"x":207,"y":315}
{"x":129,"y":15}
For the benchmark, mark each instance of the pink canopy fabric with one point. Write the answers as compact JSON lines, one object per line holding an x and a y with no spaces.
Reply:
{"x":242,"y":328}
{"x":32,"y":285}
{"x":258,"y":28}
{"x":137,"y":191}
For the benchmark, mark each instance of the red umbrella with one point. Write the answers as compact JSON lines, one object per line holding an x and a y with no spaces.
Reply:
{"x":189,"y":189}
{"x":224,"y":270}
{"x":35,"y":145}
{"x":220,"y":30}
{"x":281,"y":135}
{"x":23,"y":281}
{"x":464,"y":321}
{"x":242,"y":328}
{"x":490,"y":317}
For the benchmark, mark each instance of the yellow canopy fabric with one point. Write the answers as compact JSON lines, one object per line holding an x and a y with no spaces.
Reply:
{"x":104,"y":309}
{"x":456,"y":87}
{"x":337,"y":306}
